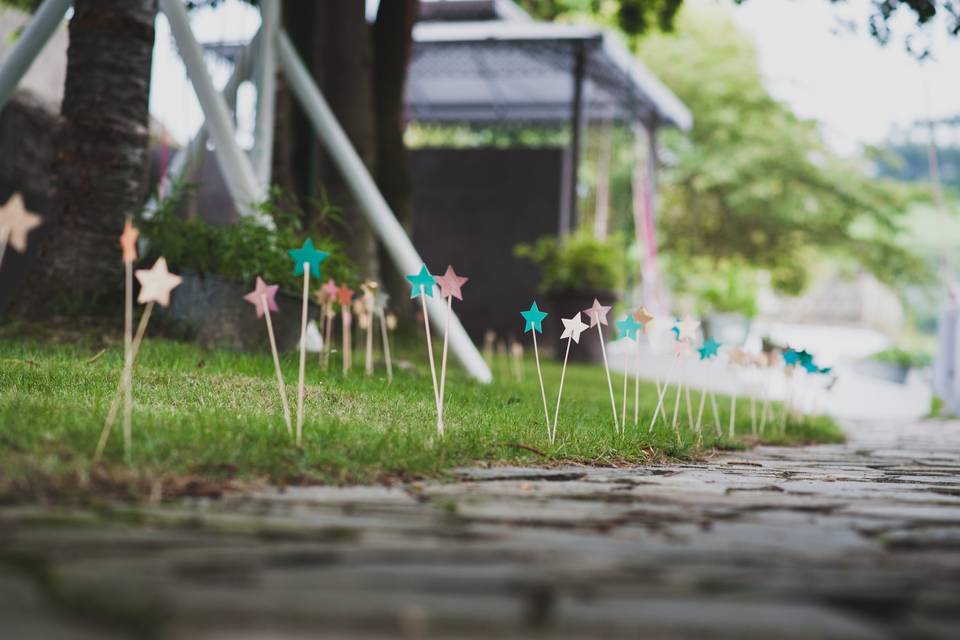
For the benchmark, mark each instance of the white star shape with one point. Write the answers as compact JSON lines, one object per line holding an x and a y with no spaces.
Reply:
{"x":16,"y":222}
{"x":573,"y":327}
{"x":688,"y":328}
{"x":156,"y":283}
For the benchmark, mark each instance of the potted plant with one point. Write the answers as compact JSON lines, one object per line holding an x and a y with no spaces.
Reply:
{"x":219,"y":264}
{"x":893,"y":364}
{"x":575,"y":271}
{"x":723,"y":294}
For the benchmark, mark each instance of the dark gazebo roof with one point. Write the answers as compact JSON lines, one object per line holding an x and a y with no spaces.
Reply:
{"x":509,"y":68}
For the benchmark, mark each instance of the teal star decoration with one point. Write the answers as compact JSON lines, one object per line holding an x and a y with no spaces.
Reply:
{"x":676,"y":332}
{"x":534,"y":318}
{"x":810,"y":366}
{"x":421,"y":283}
{"x":805,"y":358}
{"x":628,"y":327}
{"x":790,"y":357}
{"x":709,"y":349}
{"x":307,"y":254}
{"x":825,"y":370}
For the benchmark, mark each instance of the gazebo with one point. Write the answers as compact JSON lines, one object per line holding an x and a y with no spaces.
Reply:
{"x":488,"y":64}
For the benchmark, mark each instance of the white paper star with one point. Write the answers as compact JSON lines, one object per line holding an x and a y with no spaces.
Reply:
{"x":156,"y":283}
{"x":687,"y":328}
{"x":573,"y":327}
{"x":16,"y":222}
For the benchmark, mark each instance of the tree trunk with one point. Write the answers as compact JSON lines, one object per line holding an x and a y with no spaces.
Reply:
{"x":100,"y":168}
{"x":392,"y":46}
{"x":334,"y":40}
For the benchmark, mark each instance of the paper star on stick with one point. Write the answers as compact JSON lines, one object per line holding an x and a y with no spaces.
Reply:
{"x":380,"y":300}
{"x":450,"y":284}
{"x":309,"y":255}
{"x":709,"y":349}
{"x":421,"y":280}
{"x":128,"y":241}
{"x":344,"y":296}
{"x":644,"y":317}
{"x":330,"y":288}
{"x":573,"y":327}
{"x":156,"y":283}
{"x":534,"y":319}
{"x":597,"y":313}
{"x":263,"y":291}
{"x":687,"y":328}
{"x":628,"y":327}
{"x":16,"y":222}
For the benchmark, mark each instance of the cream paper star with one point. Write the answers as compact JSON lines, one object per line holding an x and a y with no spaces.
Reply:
{"x":16,"y":222}
{"x":644,"y":317}
{"x":687,"y":328}
{"x":573,"y":327}
{"x":156,"y":283}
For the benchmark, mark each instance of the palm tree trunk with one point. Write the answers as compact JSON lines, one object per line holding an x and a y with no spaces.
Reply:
{"x":100,"y":167}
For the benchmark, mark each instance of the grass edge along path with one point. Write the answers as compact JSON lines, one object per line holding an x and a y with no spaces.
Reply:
{"x":209,"y":420}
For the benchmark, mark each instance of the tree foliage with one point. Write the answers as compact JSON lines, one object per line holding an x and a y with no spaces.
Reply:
{"x":753,"y":183}
{"x":638,"y":17}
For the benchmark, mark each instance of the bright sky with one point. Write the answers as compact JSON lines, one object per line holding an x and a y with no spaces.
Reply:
{"x":857,"y":89}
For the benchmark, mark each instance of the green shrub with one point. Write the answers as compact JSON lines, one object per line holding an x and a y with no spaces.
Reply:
{"x":244,"y":249}
{"x":903,"y":357}
{"x":580,"y":262}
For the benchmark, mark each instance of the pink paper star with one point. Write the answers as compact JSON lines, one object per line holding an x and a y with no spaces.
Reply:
{"x":16,"y":223}
{"x":682,"y":348}
{"x":263,"y":293}
{"x":330,"y":288}
{"x":597,"y":313}
{"x":450,"y":284}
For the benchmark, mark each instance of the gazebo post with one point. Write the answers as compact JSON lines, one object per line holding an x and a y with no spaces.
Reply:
{"x":571,"y":158}
{"x":35,"y":36}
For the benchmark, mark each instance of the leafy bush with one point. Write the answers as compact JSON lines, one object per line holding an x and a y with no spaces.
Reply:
{"x":715,"y":286}
{"x":580,"y":262}
{"x":903,"y":357}
{"x":244,"y":249}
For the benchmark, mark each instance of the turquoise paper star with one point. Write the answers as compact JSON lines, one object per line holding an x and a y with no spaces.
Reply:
{"x":307,"y":254}
{"x":810,"y":366}
{"x":676,"y":332}
{"x":628,"y":327}
{"x":421,"y":283}
{"x":790,"y":357}
{"x":534,"y":318}
{"x":709,"y":349}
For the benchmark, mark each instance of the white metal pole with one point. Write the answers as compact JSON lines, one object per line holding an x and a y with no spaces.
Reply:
{"x":365,"y":190}
{"x":35,"y":36}
{"x":237,"y":171}
{"x":266,"y":83}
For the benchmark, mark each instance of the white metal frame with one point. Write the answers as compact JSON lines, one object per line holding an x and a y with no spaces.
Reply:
{"x":248,"y":178}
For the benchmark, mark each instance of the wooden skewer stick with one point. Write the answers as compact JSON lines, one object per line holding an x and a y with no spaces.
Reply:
{"x":127,"y":368}
{"x":328,"y":336}
{"x":606,"y":366}
{"x":543,"y":393}
{"x":661,"y":394}
{"x":676,"y":409}
{"x":386,"y":343}
{"x":443,"y":359}
{"x":433,"y":368}
{"x":346,"y":322}
{"x":276,"y":365}
{"x":4,"y":235}
{"x":626,"y":378}
{"x":716,"y":414}
{"x":303,"y":350}
{"x":636,"y":385}
{"x":368,"y":364}
{"x":733,"y":414}
{"x":556,"y":412}
{"x":115,"y":404}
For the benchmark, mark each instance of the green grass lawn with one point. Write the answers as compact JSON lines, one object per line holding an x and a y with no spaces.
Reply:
{"x":206,"y":419}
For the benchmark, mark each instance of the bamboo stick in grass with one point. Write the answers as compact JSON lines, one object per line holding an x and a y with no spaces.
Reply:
{"x":572,"y":328}
{"x":628,"y":328}
{"x":264,"y":299}
{"x":421,"y":285}
{"x":306,"y":262}
{"x":533,"y":323}
{"x":450,"y":288}
{"x":597,"y":314}
{"x":156,"y":283}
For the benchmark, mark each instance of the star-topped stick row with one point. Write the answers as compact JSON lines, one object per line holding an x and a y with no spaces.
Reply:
{"x":628,"y":328}
{"x":597,"y":314}
{"x":264,"y":300}
{"x":325,"y":297}
{"x":306,"y":262}
{"x":533,"y":323}
{"x":706,"y":351}
{"x":450,"y":288}
{"x":421,"y":284}
{"x":128,"y":248}
{"x":572,"y":328}
{"x":16,"y":223}
{"x":685,"y":331}
{"x":156,"y":283}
